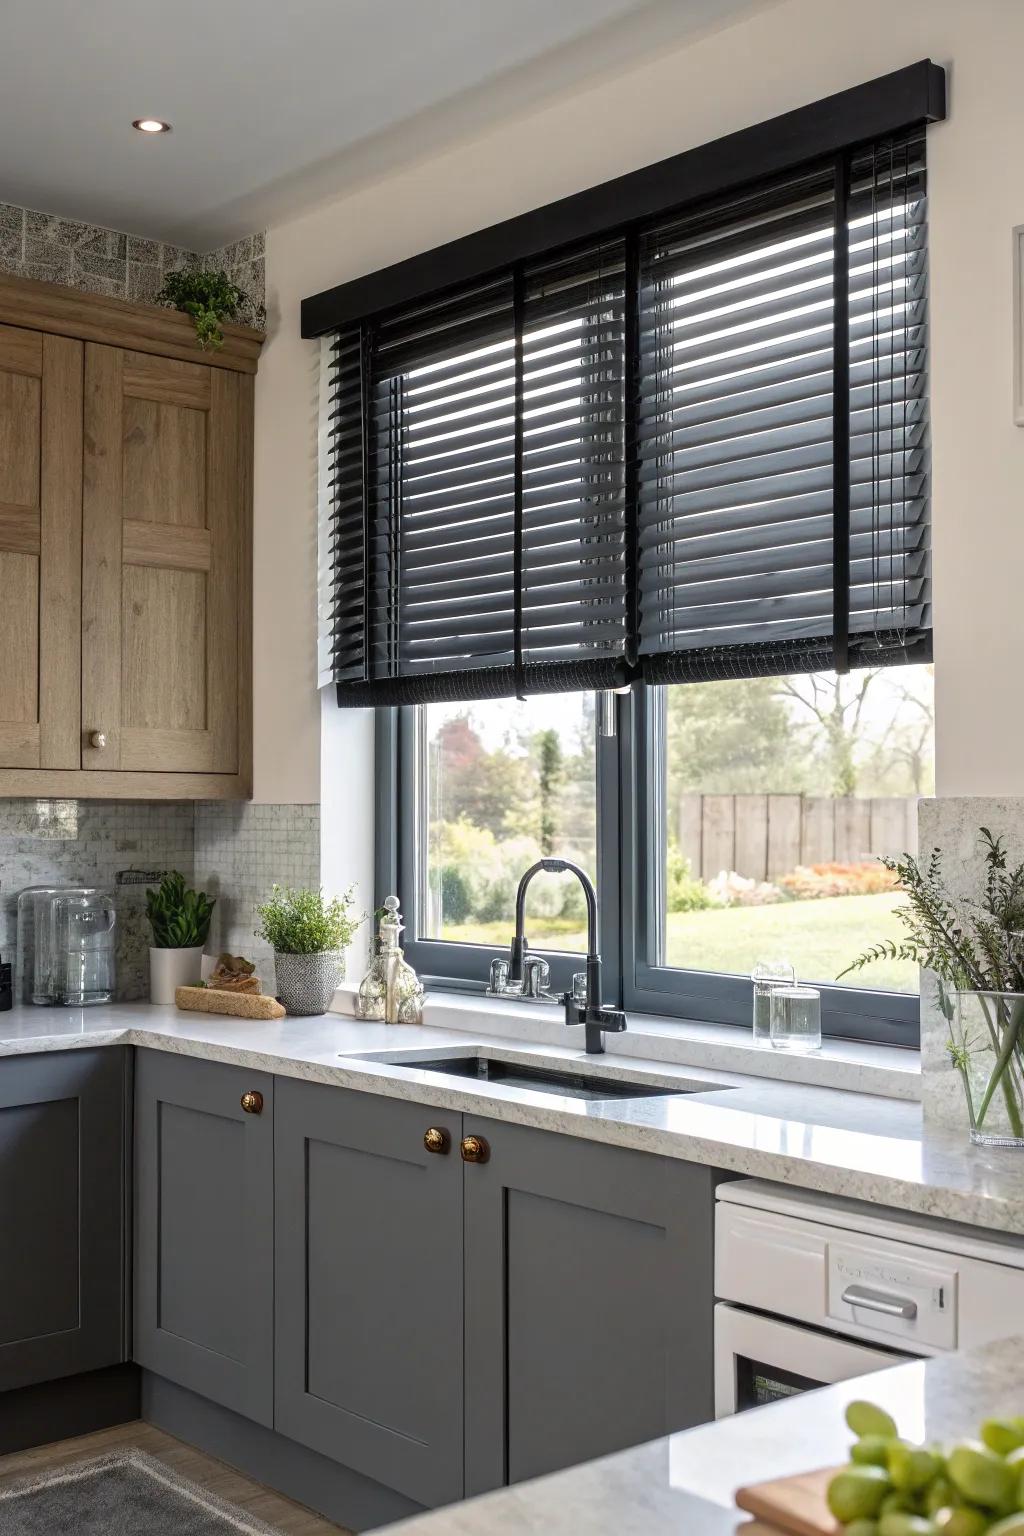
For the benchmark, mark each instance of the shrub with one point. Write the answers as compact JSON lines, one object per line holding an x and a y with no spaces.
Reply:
{"x":456,"y":903}
{"x":815,"y":881}
{"x":684,"y":892}
{"x":730,"y":889}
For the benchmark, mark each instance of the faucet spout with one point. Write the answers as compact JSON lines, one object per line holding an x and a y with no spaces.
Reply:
{"x":592,"y":1014}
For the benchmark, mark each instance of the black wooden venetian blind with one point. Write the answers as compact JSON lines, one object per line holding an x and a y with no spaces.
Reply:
{"x":694,"y":447}
{"x":783,"y":485}
{"x":478,"y":473}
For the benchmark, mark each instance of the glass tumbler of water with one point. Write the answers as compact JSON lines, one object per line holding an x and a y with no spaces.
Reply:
{"x":765,"y":977}
{"x":796,"y":1019}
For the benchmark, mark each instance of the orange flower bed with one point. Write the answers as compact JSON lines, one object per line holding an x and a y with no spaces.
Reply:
{"x":808,"y":882}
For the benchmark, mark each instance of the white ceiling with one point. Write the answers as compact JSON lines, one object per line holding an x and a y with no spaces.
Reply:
{"x":276,"y":103}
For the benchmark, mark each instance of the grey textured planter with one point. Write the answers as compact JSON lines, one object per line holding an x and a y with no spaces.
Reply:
{"x":306,"y":983}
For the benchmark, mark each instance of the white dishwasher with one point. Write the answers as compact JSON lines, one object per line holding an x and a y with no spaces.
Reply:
{"x":813,"y":1289}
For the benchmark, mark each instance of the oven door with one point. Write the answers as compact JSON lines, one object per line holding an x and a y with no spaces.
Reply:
{"x":760,"y":1359}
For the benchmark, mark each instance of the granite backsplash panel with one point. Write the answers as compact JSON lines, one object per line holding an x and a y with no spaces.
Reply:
{"x":234,"y":851}
{"x":113,"y":262}
{"x":952,"y":825}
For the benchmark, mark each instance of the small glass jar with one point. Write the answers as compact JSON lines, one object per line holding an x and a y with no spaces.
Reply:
{"x":765,"y":977}
{"x":796,"y":1019}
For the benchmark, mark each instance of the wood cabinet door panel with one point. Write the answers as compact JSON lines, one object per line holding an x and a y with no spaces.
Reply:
{"x":164,"y":530}
{"x":40,"y":548}
{"x":204,"y":1230}
{"x":61,"y":1214}
{"x":588,"y":1301}
{"x":369,"y":1287}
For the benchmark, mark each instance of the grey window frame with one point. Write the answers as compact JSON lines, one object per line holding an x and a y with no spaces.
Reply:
{"x":630,"y":879}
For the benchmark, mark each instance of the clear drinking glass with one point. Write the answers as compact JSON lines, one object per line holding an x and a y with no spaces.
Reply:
{"x":85,"y":934}
{"x":766,"y":976}
{"x":796,"y":1019}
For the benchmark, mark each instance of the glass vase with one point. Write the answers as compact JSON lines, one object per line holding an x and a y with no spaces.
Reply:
{"x":987,"y":1049}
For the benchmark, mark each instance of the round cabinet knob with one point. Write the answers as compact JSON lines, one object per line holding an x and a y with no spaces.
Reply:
{"x":437,"y":1140}
{"x":98,"y":739}
{"x":475,"y":1149}
{"x":252,"y":1102}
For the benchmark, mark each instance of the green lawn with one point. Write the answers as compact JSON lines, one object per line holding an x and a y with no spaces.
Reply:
{"x":819,"y":937}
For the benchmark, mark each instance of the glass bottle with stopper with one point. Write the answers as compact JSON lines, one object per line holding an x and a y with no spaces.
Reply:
{"x":390,"y":990}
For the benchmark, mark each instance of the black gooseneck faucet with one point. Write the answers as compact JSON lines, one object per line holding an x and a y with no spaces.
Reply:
{"x":591,"y":1013}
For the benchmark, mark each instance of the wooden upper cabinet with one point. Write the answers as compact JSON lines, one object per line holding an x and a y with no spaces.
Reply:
{"x":163,"y":564}
{"x":40,"y":548}
{"x":125,"y":550}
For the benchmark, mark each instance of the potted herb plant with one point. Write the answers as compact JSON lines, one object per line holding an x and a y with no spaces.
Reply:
{"x":180,"y":920}
{"x":976,"y":950}
{"x":309,"y":937}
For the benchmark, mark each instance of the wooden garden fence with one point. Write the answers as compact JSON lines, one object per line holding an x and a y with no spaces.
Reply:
{"x":765,"y":836}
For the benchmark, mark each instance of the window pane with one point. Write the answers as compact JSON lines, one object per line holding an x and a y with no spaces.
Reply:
{"x":503,"y":783}
{"x":778,"y":794}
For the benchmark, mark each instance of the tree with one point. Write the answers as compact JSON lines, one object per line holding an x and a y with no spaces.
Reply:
{"x":734,"y":737}
{"x":549,"y":782}
{"x":836,"y":701}
{"x":493,"y":790}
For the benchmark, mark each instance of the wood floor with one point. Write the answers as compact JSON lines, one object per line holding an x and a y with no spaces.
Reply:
{"x":289,"y":1518}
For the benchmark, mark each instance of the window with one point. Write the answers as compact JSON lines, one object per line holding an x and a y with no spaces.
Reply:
{"x":502,"y":785}
{"x":677,"y":454}
{"x":776,"y":797}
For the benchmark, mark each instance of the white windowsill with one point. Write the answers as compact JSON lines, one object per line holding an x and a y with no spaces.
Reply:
{"x":852,"y":1065}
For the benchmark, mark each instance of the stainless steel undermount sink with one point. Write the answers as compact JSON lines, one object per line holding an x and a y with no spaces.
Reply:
{"x":567,"y":1081}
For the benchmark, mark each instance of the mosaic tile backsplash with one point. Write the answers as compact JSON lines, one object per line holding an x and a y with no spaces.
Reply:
{"x":108,"y":261}
{"x":241,"y":851}
{"x":236,"y":852}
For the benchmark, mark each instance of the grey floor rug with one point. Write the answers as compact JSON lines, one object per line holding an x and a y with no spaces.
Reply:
{"x":125,"y":1493}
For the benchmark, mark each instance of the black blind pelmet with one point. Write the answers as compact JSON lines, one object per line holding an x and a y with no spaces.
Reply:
{"x":696,"y":450}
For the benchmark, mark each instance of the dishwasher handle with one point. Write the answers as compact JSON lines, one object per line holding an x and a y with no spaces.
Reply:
{"x":880,"y":1301}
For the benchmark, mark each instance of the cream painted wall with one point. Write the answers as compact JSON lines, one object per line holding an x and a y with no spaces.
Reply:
{"x":778,"y":58}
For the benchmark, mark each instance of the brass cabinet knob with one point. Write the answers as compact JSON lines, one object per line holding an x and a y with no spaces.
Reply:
{"x":475,"y":1149}
{"x":98,"y":740}
{"x":437,"y":1139}
{"x":252,"y":1102}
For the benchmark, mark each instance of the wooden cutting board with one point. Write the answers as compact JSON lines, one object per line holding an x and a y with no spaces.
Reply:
{"x":794,"y":1504}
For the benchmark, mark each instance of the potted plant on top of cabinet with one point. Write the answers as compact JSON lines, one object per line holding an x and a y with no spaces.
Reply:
{"x":309,"y":937}
{"x":180,"y":919}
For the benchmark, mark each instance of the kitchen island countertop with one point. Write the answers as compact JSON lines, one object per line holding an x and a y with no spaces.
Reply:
{"x":684,"y":1484}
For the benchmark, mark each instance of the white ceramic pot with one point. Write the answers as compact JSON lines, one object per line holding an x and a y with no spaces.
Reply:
{"x":170,"y":968}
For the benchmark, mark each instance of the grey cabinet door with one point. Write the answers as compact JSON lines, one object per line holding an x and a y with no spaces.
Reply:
{"x":369,"y":1287}
{"x":588,"y":1301}
{"x":62,"y":1151}
{"x":204,"y":1230}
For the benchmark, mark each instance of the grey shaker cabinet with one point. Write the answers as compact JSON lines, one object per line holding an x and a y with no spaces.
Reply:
{"x":588,"y":1301}
{"x":369,"y":1286}
{"x":62,"y":1219}
{"x":204,"y":1229}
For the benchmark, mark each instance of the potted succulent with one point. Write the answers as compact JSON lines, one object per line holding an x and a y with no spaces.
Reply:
{"x":309,"y":937}
{"x":180,"y":920}
{"x":976,"y":951}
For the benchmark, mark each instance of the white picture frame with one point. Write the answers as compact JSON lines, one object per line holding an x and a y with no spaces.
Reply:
{"x":1018,"y":325}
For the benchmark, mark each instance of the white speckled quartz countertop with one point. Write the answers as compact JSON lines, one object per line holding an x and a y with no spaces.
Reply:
{"x":684,"y":1484}
{"x":841,"y":1143}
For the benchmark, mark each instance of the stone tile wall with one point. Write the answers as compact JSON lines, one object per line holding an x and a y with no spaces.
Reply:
{"x":89,"y":842}
{"x":241,"y":851}
{"x":111,"y":262}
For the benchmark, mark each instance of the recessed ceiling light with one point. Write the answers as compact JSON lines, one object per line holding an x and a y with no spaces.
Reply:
{"x":151,"y":125}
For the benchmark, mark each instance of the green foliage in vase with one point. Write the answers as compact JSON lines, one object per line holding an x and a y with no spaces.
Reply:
{"x":971,"y":946}
{"x":210,"y":298}
{"x":976,"y":945}
{"x":179,"y":917}
{"x":303,"y":923}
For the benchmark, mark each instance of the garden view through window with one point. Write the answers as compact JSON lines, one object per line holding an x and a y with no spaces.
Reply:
{"x":776,"y":797}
